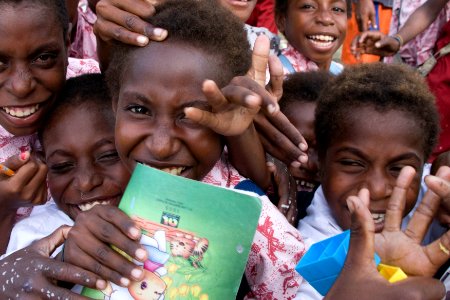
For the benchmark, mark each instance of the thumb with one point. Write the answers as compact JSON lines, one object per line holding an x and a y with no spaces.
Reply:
{"x":16,"y":161}
{"x":382,"y":42}
{"x":362,"y":249}
{"x":48,"y":244}
{"x":260,"y":58}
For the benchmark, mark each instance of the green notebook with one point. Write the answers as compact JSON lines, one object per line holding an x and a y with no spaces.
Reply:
{"x":198,"y":237}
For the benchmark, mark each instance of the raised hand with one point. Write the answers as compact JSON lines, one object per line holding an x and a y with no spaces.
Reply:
{"x":30,"y":273}
{"x":88,"y":245}
{"x":374,"y":42}
{"x":359,"y":278}
{"x":403,"y":248}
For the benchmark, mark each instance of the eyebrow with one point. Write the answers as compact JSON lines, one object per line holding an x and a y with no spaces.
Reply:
{"x":202,"y":104}
{"x":98,"y":144}
{"x":404,"y":156}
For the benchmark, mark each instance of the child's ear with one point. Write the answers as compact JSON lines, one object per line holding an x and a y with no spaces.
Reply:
{"x":280,"y":20}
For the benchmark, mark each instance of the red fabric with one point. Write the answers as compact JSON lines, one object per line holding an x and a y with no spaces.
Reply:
{"x":263,"y":15}
{"x":439,"y":82}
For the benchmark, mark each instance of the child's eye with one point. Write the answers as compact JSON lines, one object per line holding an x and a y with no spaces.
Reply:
{"x":45,"y":59}
{"x":307,"y":6}
{"x":110,"y":156}
{"x":138,"y":109}
{"x":339,"y":9}
{"x":3,"y":65}
{"x":61,"y":168}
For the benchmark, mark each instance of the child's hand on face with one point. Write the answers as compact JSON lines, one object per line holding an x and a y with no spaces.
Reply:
{"x":279,"y":137}
{"x":360,"y":279}
{"x":27,"y":186}
{"x":234,"y":107}
{"x":30,"y":273}
{"x":88,"y":245}
{"x":374,"y":42}
{"x":403,"y":248}
{"x":122,"y":20}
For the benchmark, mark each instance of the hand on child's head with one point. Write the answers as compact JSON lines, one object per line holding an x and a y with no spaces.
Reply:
{"x":30,"y":273}
{"x":124,"y":21}
{"x":88,"y":245}
{"x":360,"y":279}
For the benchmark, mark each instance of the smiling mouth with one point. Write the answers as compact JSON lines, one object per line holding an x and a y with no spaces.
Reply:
{"x":305,"y":186}
{"x":378,"y":218}
{"x":321,"y":40}
{"x":89,"y":205}
{"x":21,"y":112}
{"x":171,"y":170}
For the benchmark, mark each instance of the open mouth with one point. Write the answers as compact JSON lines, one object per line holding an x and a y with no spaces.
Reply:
{"x":321,"y":40}
{"x":89,"y":205}
{"x":174,"y":170}
{"x":21,"y":112}
{"x":306,"y":186}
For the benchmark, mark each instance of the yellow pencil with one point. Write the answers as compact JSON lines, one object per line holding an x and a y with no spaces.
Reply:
{"x":5,"y":170}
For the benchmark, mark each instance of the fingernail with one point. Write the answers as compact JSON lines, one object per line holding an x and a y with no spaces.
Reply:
{"x":124,"y":281}
{"x":303,"y":146}
{"x":272,"y":108}
{"x":134,"y":232}
{"x":100,"y":284}
{"x":159,"y":32}
{"x":24,"y":155}
{"x":141,"y":254}
{"x":296,"y":164}
{"x":377,"y":45}
{"x":303,"y":159}
{"x":251,"y":100}
{"x":137,"y":273}
{"x":142,"y":40}
{"x":350,"y":205}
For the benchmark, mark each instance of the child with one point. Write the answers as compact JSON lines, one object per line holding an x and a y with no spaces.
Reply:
{"x":373,"y":121}
{"x":314,"y":30}
{"x":79,"y":150}
{"x":157,"y":104}
{"x":299,"y":101}
{"x":33,"y":67}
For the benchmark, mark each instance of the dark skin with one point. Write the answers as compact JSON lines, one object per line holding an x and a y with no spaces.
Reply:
{"x":360,"y":279}
{"x":35,"y":273}
{"x":123,"y":21}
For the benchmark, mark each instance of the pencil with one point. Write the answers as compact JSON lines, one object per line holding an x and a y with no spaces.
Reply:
{"x":5,"y":170}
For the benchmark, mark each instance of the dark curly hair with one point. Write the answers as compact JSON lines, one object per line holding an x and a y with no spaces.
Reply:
{"x":303,"y":87}
{"x":383,"y":87}
{"x":203,"y":24}
{"x":58,"y":7}
{"x":88,"y":91}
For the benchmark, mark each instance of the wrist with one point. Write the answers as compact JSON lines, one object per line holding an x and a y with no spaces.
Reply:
{"x":399,"y":40}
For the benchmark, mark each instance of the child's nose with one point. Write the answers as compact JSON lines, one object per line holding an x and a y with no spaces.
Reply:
{"x":162,"y":144}
{"x":86,"y":180}
{"x":21,"y":82}
{"x":379,"y":185}
{"x":325,"y":17}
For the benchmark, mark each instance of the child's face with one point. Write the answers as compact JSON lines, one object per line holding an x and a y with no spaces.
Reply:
{"x":84,"y":167}
{"x":240,"y":8}
{"x":315,"y":28}
{"x":369,"y":153}
{"x":159,"y":82}
{"x":301,"y":115}
{"x":33,"y":63}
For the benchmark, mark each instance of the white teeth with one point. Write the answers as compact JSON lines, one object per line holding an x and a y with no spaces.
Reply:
{"x":378,"y":218}
{"x":88,"y":206}
{"x":173,"y":171}
{"x":325,"y":38}
{"x":21,"y":111}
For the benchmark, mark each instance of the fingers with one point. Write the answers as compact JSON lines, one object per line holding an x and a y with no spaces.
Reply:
{"x":47,"y":245}
{"x":260,"y":58}
{"x":396,"y":205}
{"x":362,"y":249}
{"x":276,"y":77}
{"x":123,"y":21}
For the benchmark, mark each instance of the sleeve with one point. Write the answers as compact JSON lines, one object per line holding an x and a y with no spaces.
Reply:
{"x":277,"y":247}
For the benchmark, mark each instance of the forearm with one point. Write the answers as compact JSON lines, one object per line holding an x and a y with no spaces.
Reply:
{"x":247,"y":155}
{"x":6,"y":225}
{"x":421,"y":19}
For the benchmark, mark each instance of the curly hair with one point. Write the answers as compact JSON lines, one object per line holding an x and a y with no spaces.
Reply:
{"x":58,"y":7}
{"x":88,"y":91}
{"x":383,"y":87}
{"x":303,"y":87}
{"x":203,"y":24}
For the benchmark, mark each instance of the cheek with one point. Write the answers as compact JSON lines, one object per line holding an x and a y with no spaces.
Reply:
{"x":59,"y":186}
{"x":206,"y":147}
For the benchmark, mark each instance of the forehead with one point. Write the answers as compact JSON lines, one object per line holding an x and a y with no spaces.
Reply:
{"x":368,"y":128}
{"x":172,"y":67}
{"x":26,"y":25}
